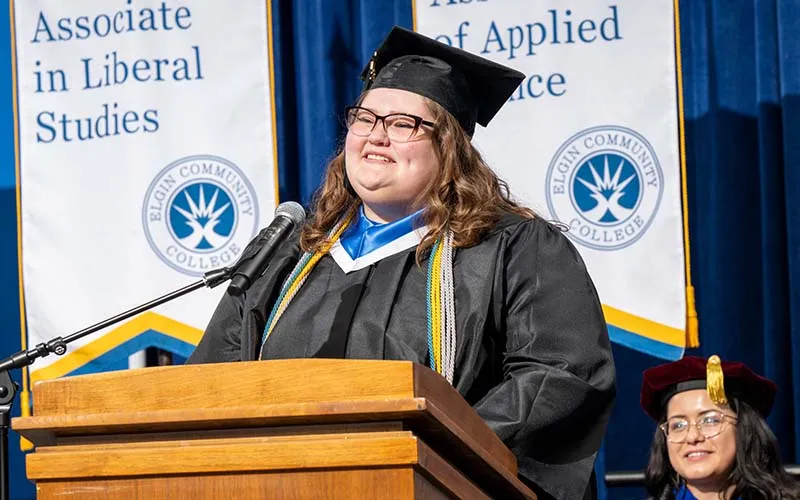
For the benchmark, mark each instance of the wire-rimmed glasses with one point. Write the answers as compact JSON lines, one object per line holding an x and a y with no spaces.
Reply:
{"x":400,"y":127}
{"x":709,"y":424}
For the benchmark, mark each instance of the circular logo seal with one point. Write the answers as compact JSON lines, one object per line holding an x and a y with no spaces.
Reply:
{"x":199,"y":213}
{"x":605,"y":183}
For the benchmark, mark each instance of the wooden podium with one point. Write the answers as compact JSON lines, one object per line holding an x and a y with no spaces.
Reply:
{"x":306,"y":428}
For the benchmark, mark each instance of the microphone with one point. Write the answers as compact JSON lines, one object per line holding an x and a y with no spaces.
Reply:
{"x":287,"y":216}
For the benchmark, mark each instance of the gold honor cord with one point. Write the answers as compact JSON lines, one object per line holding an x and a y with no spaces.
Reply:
{"x":692,"y":322}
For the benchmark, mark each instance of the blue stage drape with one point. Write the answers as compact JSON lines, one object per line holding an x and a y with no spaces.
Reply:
{"x":741,"y":76}
{"x":742,"y":88}
{"x":320,"y":49}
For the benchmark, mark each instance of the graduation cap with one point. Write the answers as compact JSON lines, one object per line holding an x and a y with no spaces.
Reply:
{"x":471,"y":88}
{"x":719,"y":378}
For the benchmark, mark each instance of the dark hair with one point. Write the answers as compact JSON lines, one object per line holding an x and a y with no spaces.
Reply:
{"x":757,"y":474}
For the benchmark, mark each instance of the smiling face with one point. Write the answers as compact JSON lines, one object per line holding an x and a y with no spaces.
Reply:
{"x":389,"y":176}
{"x":704,"y":463}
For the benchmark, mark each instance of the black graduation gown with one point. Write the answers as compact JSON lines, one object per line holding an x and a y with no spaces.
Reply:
{"x":533,"y":356}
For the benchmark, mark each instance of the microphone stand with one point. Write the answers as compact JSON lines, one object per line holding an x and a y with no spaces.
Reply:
{"x":58,"y":345}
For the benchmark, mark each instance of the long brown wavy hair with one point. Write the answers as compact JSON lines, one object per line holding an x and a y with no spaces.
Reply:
{"x":466,"y":196}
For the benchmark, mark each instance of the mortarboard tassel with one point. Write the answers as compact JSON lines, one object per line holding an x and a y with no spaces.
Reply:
{"x":715,"y":381}
{"x":372,"y":74}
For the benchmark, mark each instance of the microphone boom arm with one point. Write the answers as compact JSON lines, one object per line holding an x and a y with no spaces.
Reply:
{"x":242,"y":274}
{"x":58,"y":345}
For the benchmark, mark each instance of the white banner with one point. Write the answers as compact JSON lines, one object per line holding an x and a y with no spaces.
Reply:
{"x":591,"y":139}
{"x":146,"y":159}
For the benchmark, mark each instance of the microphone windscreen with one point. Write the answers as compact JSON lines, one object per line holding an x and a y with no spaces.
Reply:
{"x":293,"y":210}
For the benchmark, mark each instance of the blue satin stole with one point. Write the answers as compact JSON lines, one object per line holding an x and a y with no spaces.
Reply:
{"x":365,"y":242}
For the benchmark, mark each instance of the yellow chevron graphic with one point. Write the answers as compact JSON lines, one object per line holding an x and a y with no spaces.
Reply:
{"x":73,"y":360}
{"x":645,"y":327}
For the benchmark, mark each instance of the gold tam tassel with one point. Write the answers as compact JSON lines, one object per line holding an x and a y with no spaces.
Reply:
{"x":715,"y":381}
{"x":371,"y":74}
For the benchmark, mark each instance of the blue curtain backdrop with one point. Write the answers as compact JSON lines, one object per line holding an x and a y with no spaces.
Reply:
{"x":9,"y":284}
{"x":742,"y":87}
{"x":741,"y":76}
{"x":320,"y":49}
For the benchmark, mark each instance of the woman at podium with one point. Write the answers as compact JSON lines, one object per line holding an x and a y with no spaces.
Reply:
{"x":415,"y":251}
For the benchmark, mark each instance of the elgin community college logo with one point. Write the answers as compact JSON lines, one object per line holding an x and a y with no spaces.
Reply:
{"x":199,"y":213}
{"x":606,"y":184}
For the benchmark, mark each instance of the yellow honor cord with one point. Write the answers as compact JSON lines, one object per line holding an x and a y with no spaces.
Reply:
{"x":715,"y":381}
{"x":441,"y":313}
{"x":436,"y":303}
{"x":295,"y":285}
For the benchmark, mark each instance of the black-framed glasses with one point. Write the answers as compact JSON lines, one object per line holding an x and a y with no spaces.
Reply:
{"x":709,"y":424}
{"x":400,"y":127}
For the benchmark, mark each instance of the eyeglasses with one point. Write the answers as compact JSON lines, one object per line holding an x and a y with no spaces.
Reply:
{"x":709,"y":424}
{"x":400,"y":127}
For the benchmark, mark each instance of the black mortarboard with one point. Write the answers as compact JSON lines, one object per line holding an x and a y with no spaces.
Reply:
{"x":661,"y":382}
{"x":470,"y":87}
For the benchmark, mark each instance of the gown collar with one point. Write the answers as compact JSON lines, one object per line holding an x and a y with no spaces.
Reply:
{"x":366,"y":242}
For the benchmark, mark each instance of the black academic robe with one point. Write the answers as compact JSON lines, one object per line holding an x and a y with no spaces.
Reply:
{"x":533,"y":356}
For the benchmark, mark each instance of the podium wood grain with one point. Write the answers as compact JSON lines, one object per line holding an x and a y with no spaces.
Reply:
{"x":278,"y":429}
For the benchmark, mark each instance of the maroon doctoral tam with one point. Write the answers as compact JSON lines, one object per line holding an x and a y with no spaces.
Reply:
{"x":662,"y":382}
